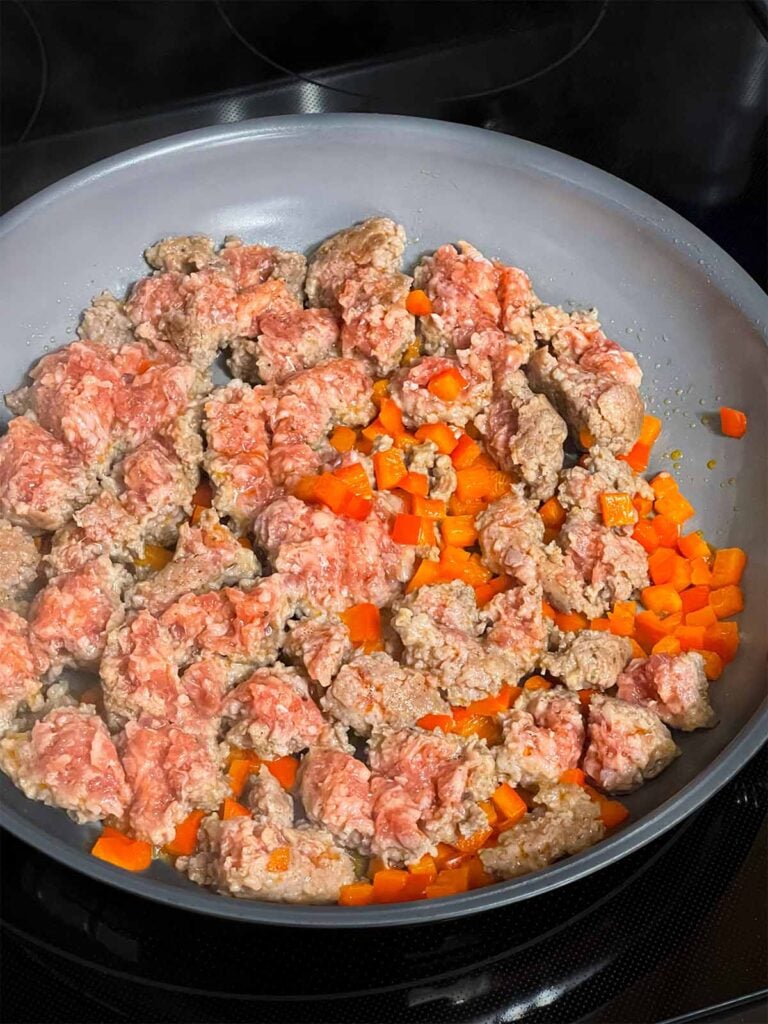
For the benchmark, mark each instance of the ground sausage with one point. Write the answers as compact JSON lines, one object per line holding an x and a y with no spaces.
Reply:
{"x":543,"y":737}
{"x":335,"y":790}
{"x":20,"y":669}
{"x":511,"y":536}
{"x":586,"y":660}
{"x":674,"y":687}
{"x":19,"y":563}
{"x":626,"y":744}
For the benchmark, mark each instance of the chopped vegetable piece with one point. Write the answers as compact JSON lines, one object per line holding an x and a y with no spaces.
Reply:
{"x":693,"y":545}
{"x":713,"y":664}
{"x":203,"y":496}
{"x":185,"y":840}
{"x":232,"y":809}
{"x":667,"y":645}
{"x":471,"y":844}
{"x":537,"y":683}
{"x":571,"y":622}
{"x":448,"y":384}
{"x":701,"y":617}
{"x":154,"y":557}
{"x":612,"y":812}
{"x":459,"y":531}
{"x":727,"y":567}
{"x":701,"y":574}
{"x":650,"y":430}
{"x":643,"y":506}
{"x":681,"y":573}
{"x":573,"y":777}
{"x":552,"y":514}
{"x":439,"y":434}
{"x":284,"y":770}
{"x":661,"y":565}
{"x":449,"y":882}
{"x":622,"y":618}
{"x":372,"y":431}
{"x":427,"y":573}
{"x":484,"y":592}
{"x":239,"y":770}
{"x":415,"y":483}
{"x":466,"y":452}
{"x":467,"y":507}
{"x":363,"y":622}
{"x":355,"y":477}
{"x":425,"y":867}
{"x":279,"y":859}
{"x":447,"y":857}
{"x":483,"y":726}
{"x":391,"y":417}
{"x":664,"y":483}
{"x":586,"y":440}
{"x":645,"y":535}
{"x":585,"y":696}
{"x":509,"y":803}
{"x":429,"y":508}
{"x":388,"y":885}
{"x":637,"y":457}
{"x":602,"y":625}
{"x":431,"y":722}
{"x":548,"y":611}
{"x":418,"y":303}
{"x":356,"y":894}
{"x":380,"y":390}
{"x":406,"y":528}
{"x":674,"y":507}
{"x":637,"y":650}
{"x":733,"y":422}
{"x":477,"y":876}
{"x":649,"y":628}
{"x":727,"y":600}
{"x":667,"y":530}
{"x":390,"y":469}
{"x":692,"y":638}
{"x":662,"y":599}
{"x":694,"y":598}
{"x":357,"y":508}
{"x":723,"y":639}
{"x":411,"y":353}
{"x":343,"y":439}
{"x":122,"y":851}
{"x":617,"y":508}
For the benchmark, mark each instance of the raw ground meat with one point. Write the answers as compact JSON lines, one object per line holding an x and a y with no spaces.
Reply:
{"x":409,"y":389}
{"x":525,"y":436}
{"x":377,"y":244}
{"x":517,"y":629}
{"x":565,"y":821}
{"x":182,"y":254}
{"x":70,"y":618}
{"x":518,"y":300}
{"x":267,"y":799}
{"x":584,"y":343}
{"x":253,"y":265}
{"x":170,"y":773}
{"x":543,"y":737}
{"x":581,"y":486}
{"x":332,"y":561}
{"x":588,"y":660}
{"x":426,"y":787}
{"x":42,"y":480}
{"x":106,"y":322}
{"x":320,"y":644}
{"x":511,"y":537}
{"x":234,"y":858}
{"x":374,"y":690}
{"x":19,"y":669}
{"x":19,"y":564}
{"x":286,"y":343}
{"x":68,"y":760}
{"x":626,"y":744}
{"x":674,"y":687}
{"x":237,"y":456}
{"x":376,"y":326}
{"x":335,"y":790}
{"x":208,"y":556}
{"x":610,"y":411}
{"x":273,"y":713}
{"x":591,"y":567}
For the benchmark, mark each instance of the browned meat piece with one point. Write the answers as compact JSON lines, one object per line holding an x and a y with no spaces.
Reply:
{"x":286,"y":343}
{"x":320,"y":644}
{"x":182,"y":254}
{"x":273,"y":713}
{"x":333,"y":561}
{"x":424,"y":458}
{"x":543,"y":737}
{"x":335,"y":791}
{"x":42,"y":480}
{"x":68,"y":760}
{"x":253,"y":858}
{"x":208,"y":556}
{"x":170,"y":773}
{"x":592,"y":568}
{"x":610,"y":413}
{"x":106,"y":322}
{"x":267,"y":799}
{"x":589,"y":660}
{"x":426,"y":788}
{"x":511,"y":534}
{"x":373,"y":690}
{"x":254,"y":265}
{"x":674,"y":687}
{"x":565,"y":820}
{"x":626,"y":744}
{"x":581,"y":486}
{"x":20,"y":670}
{"x":377,"y":244}
{"x":409,"y":388}
{"x":70,"y":618}
{"x":19,"y":563}
{"x":525,"y":436}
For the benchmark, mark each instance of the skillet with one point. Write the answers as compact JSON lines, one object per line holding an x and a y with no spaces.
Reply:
{"x":695,"y":320}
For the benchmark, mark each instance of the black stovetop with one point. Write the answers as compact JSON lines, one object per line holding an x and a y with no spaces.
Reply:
{"x":669,"y":96}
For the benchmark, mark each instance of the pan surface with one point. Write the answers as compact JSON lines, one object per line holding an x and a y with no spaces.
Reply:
{"x":695,"y":320}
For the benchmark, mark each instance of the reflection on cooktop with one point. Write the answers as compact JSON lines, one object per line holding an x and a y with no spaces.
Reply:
{"x":619,"y":938}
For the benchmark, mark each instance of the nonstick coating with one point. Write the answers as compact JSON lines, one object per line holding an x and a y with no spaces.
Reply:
{"x":696,"y":321}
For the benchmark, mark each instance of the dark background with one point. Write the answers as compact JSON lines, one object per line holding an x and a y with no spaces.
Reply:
{"x":669,"y":96}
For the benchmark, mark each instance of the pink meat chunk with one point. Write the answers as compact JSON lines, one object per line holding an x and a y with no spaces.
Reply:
{"x":425,"y":788}
{"x":320,"y":644}
{"x":207,"y":557}
{"x":237,"y":458}
{"x":517,"y":299}
{"x":68,"y":760}
{"x":543,"y":737}
{"x":253,"y":265}
{"x":511,"y":536}
{"x":42,"y":480}
{"x":581,"y":486}
{"x":626,"y":744}
{"x":19,"y":565}
{"x":592,"y":568}
{"x":170,"y":772}
{"x":69,"y":619}
{"x":376,"y":326}
{"x":674,"y":687}
{"x":374,"y":690}
{"x":584,"y":343}
{"x":273,"y":713}
{"x":335,"y":562}
{"x":335,"y":791}
{"x":20,"y":669}
{"x":409,"y":388}
{"x":517,"y":629}
{"x":289,"y":342}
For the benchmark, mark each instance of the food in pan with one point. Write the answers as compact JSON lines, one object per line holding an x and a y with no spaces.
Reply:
{"x":389,"y":615}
